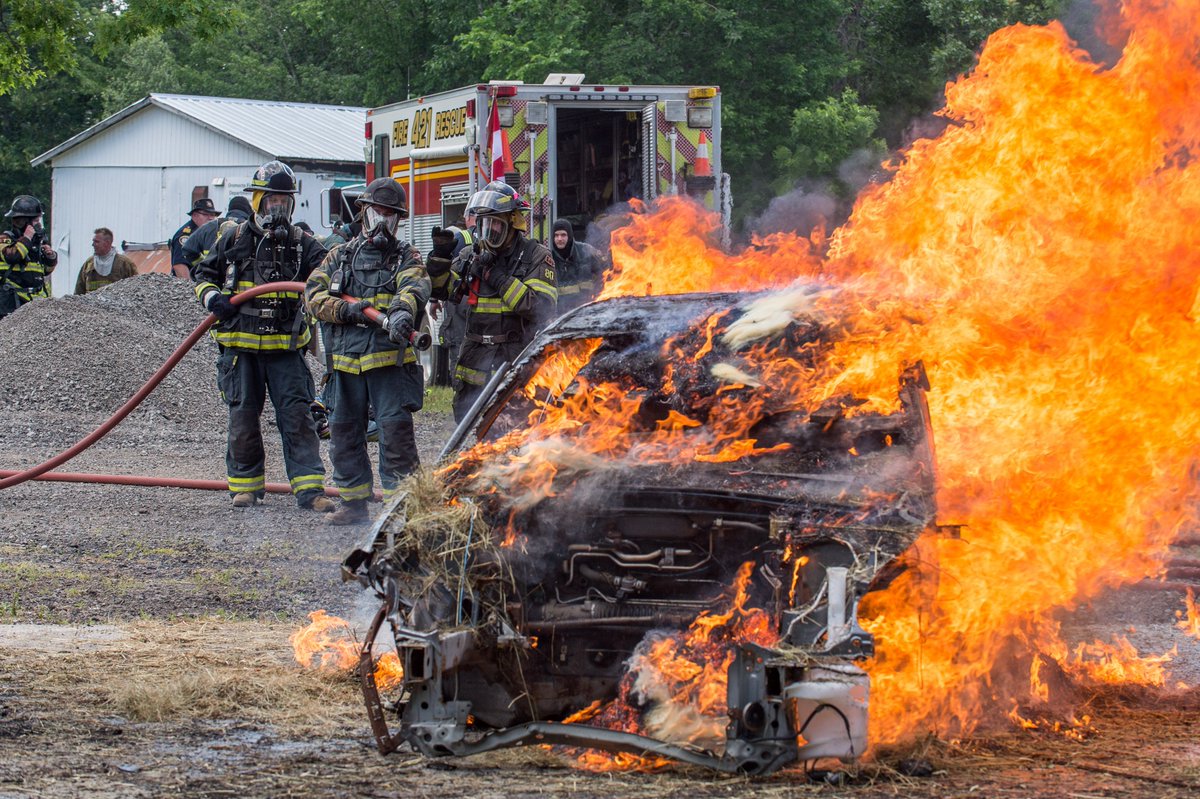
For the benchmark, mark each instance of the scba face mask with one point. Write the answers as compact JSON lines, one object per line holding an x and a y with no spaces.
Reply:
{"x":493,"y":231}
{"x":382,"y":221}
{"x":276,"y":210}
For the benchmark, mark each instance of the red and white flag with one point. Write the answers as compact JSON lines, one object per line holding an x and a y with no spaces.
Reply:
{"x":498,"y":144}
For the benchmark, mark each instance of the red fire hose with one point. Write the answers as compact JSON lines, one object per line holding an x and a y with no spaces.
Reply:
{"x":42,"y":470}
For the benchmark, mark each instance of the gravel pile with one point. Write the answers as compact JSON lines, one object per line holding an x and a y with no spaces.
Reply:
{"x":74,"y":360}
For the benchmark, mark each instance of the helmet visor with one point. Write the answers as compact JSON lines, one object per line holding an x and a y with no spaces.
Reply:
{"x":493,"y":230}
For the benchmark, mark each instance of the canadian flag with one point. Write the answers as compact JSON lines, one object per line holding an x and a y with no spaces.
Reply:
{"x":501,"y":157}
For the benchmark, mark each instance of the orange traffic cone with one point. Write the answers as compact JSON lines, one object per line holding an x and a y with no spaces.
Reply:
{"x":702,"y":168}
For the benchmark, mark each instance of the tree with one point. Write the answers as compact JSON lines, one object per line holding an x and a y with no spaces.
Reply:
{"x":803,"y":85}
{"x":47,"y":37}
{"x":825,"y":133}
{"x":39,"y":40}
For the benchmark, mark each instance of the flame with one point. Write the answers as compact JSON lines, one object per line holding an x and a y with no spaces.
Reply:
{"x":328,"y":644}
{"x":1074,"y":729}
{"x":1118,"y":663}
{"x":1053,"y":319}
{"x":1041,"y":256}
{"x":696,"y":261}
{"x":1191,"y":623}
{"x":682,"y":677}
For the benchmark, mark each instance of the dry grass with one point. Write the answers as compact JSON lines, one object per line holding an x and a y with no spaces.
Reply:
{"x":206,"y":669}
{"x":447,"y":545}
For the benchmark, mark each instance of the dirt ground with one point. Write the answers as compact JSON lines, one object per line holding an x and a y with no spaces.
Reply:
{"x":144,"y":652}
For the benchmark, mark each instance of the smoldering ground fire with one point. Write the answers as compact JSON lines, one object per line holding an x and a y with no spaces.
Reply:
{"x":1039,"y":261}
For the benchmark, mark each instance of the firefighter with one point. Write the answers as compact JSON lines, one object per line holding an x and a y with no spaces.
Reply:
{"x":371,"y":364}
{"x":26,"y":260}
{"x":261,"y":341}
{"x":509,"y":287}
{"x":451,"y":317}
{"x":578,"y":265}
{"x":202,"y":211}
{"x":200,"y":242}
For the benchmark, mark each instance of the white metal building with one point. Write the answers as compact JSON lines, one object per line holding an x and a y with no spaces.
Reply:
{"x":138,"y":171}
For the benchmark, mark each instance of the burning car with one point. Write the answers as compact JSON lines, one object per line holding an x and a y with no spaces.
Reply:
{"x":656,"y":546}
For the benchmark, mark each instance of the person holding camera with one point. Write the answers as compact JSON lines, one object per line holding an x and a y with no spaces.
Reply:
{"x":26,"y":259}
{"x":509,"y":287}
{"x":448,"y":242}
{"x":374,"y":363}
{"x":262,"y":340}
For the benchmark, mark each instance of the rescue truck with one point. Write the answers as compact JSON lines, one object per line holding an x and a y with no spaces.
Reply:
{"x":578,"y":151}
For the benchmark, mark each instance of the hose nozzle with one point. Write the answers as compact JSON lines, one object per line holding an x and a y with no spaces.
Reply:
{"x":420,"y":340}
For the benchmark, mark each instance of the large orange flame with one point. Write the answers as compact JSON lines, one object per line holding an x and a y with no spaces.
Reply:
{"x":1042,"y":257}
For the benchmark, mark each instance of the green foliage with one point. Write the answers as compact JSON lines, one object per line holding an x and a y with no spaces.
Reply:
{"x":803,"y":85}
{"x":137,"y":71}
{"x":825,"y":133}
{"x":38,"y":40}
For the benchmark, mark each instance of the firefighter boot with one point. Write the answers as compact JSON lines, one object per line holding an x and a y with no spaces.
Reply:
{"x":321,"y":504}
{"x":352,"y":511}
{"x":244,"y":499}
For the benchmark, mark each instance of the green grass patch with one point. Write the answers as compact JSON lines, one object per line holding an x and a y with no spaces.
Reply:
{"x":26,"y":572}
{"x":438,"y":399}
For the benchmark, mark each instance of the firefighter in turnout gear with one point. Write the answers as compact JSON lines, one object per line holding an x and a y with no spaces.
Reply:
{"x":372,"y":364}
{"x":204,"y":238}
{"x":262,"y":341}
{"x":509,"y":287}
{"x":26,"y":260}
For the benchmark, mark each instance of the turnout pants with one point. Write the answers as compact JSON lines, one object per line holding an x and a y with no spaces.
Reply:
{"x":246,"y":378}
{"x":396,"y":392}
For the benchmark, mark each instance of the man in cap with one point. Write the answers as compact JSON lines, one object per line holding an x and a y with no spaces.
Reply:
{"x":104,"y":266}
{"x":261,"y":341}
{"x":371,"y":364}
{"x":202,"y":211}
{"x":26,"y":259}
{"x":578,"y":265}
{"x":509,"y":287}
{"x":200,"y":243}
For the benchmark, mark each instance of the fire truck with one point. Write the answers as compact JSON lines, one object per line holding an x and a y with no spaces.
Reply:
{"x":578,"y":151}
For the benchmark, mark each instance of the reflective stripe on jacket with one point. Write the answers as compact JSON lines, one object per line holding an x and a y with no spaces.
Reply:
{"x":393,"y":279}
{"x":245,"y":258}
{"x":521,"y":298}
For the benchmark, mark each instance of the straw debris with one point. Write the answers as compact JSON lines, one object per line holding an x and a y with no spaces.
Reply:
{"x":446,"y":546}
{"x":205,"y":669}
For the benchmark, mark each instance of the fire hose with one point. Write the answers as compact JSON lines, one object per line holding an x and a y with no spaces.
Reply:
{"x":43,"y":470}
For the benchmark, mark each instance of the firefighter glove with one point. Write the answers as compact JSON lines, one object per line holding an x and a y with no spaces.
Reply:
{"x":443,"y":243}
{"x":221,"y":307}
{"x":355,"y":313}
{"x":400,"y":327}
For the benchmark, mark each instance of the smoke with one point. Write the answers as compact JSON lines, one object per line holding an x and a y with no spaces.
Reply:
{"x":666,"y":718}
{"x":770,"y":316}
{"x":1095,"y":29}
{"x":800,"y":211}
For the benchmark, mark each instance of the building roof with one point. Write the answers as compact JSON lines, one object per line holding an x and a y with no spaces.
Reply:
{"x":299,"y":131}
